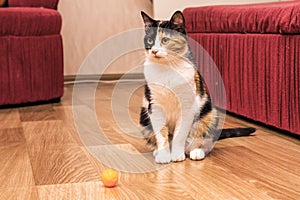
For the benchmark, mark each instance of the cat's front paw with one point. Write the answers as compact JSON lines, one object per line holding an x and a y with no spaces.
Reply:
{"x":197,"y":154}
{"x":162,"y":156}
{"x":178,"y":157}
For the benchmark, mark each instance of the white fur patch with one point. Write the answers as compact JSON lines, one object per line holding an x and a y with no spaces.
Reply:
{"x":163,"y":156}
{"x":197,"y":154}
{"x":178,"y":158}
{"x":161,"y":51}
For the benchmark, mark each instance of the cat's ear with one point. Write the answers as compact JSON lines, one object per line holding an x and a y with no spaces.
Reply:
{"x":148,"y":21}
{"x":178,"y":22}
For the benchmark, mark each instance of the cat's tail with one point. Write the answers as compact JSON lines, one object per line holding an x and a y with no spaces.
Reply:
{"x":236,"y":132}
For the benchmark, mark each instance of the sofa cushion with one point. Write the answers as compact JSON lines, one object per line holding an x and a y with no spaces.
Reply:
{"x":29,"y":21}
{"x":280,"y":17}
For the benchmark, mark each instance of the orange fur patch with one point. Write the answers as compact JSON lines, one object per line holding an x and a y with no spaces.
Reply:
{"x":165,"y":133}
{"x":198,"y":81}
{"x":177,"y":43}
{"x":170,"y":104}
{"x":204,"y":124}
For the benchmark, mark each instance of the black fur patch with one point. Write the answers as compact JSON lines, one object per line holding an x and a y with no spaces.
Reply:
{"x":202,"y":87}
{"x":165,"y":24}
{"x":236,"y":132}
{"x":150,"y":34}
{"x":205,"y":110}
{"x":144,"y":117}
{"x":147,"y":93}
{"x":148,"y":97}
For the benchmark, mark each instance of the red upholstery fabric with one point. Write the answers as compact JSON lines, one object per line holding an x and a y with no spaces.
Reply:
{"x":31,"y":69}
{"x":33,"y":3}
{"x":281,"y":17}
{"x":261,"y":74}
{"x":31,"y":54}
{"x":29,"y":21}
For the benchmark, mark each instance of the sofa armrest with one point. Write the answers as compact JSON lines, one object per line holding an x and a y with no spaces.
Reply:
{"x":33,"y":3}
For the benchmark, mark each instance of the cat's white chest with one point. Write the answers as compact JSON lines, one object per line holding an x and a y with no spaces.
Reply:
{"x":171,"y":77}
{"x":172,"y":85}
{"x":173,"y":93}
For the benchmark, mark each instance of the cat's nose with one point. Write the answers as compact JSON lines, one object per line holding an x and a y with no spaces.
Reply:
{"x":154,"y":52}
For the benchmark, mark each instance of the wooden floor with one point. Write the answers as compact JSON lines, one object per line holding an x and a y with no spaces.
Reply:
{"x":43,"y":157}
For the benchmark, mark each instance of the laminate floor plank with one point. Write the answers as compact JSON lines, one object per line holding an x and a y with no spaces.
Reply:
{"x":38,"y":113}
{"x":211,"y":181}
{"x":266,"y":174}
{"x":67,"y":118}
{"x":95,"y":190}
{"x":52,"y":133}
{"x":11,"y":136}
{"x":61,"y":165}
{"x":82,"y":191}
{"x":10,"y":118}
{"x":15,"y":167}
{"x":19,"y":193}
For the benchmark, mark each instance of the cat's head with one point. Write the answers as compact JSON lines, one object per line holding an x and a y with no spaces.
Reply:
{"x":165,"y":38}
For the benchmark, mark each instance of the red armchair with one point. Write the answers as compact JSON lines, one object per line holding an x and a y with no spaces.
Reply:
{"x":31,"y":52}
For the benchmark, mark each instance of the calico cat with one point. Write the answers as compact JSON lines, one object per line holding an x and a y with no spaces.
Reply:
{"x":177,"y":115}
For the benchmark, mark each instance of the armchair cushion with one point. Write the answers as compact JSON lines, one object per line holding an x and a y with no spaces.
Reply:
{"x":29,"y":21}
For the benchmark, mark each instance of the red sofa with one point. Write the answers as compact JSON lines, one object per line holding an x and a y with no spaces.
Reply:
{"x":257,"y":51}
{"x":31,"y":52}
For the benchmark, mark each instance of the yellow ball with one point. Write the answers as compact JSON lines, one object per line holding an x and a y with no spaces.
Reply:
{"x":109,"y":178}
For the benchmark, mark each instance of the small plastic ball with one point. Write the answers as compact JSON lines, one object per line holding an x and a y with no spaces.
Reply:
{"x":109,"y":178}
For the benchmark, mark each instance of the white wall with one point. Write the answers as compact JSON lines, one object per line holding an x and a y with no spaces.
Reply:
{"x":163,"y":9}
{"x":87,"y":23}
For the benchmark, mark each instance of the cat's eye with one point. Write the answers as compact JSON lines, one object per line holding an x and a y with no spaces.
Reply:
{"x":149,"y":41}
{"x":165,"y":40}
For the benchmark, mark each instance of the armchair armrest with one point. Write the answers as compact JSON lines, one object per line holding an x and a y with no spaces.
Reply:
{"x":33,"y":3}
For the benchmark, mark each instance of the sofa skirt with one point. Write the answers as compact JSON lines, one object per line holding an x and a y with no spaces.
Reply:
{"x":261,"y":75}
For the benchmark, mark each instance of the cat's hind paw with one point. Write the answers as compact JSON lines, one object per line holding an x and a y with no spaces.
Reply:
{"x":197,"y":154}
